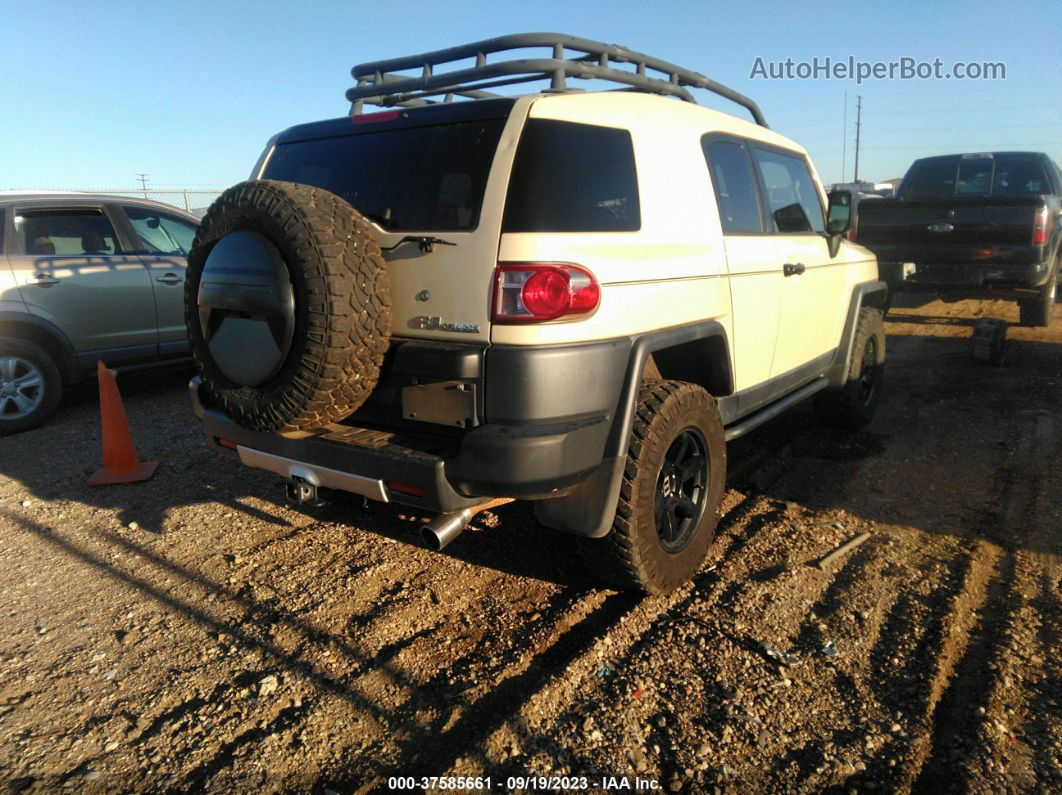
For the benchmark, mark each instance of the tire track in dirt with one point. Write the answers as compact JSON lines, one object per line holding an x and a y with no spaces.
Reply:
{"x":982,"y":614}
{"x":577,"y":648}
{"x":745,"y":517}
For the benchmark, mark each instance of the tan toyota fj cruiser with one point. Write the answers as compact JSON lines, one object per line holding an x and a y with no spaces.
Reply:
{"x":574,"y":298}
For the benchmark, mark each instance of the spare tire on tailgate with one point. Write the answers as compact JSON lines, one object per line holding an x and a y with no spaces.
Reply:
{"x":287,"y":306}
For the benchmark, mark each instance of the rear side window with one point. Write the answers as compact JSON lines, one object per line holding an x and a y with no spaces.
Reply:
{"x":792,"y":198}
{"x":571,"y":177}
{"x":409,"y":179}
{"x":735,"y":187}
{"x":65,"y":232}
{"x":160,"y":233}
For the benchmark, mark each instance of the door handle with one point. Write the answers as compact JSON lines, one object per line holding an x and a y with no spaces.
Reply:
{"x":42,"y":280}
{"x":790,"y":269}
{"x":170,"y":278}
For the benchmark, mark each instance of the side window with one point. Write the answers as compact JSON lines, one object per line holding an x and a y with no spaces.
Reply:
{"x":160,"y":233}
{"x":792,"y":198}
{"x":571,"y":177}
{"x":66,"y":232}
{"x":735,"y":187}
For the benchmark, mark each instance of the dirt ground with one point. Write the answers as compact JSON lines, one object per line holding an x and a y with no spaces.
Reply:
{"x":195,"y":633}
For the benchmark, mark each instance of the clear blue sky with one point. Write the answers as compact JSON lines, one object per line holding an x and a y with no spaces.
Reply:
{"x":190,"y":91}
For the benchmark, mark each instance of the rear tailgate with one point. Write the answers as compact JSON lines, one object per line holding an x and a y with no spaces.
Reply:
{"x":983,"y":230}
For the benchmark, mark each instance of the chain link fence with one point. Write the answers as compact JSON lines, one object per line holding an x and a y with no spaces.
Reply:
{"x":194,"y":201}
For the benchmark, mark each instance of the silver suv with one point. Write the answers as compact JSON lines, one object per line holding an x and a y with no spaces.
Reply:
{"x":84,"y":277}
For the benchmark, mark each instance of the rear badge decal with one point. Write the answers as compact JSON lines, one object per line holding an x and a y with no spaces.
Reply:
{"x":434,"y":323}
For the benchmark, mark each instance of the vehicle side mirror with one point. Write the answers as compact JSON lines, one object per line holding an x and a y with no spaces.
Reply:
{"x":839,"y":216}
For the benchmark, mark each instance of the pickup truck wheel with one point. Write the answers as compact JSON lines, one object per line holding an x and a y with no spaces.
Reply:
{"x":287,"y":305}
{"x":1039,"y":311}
{"x":672,"y":486}
{"x":852,"y":405}
{"x":30,"y":385}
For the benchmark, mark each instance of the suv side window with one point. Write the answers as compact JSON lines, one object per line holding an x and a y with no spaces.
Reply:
{"x":735,"y":187}
{"x":69,"y":232}
{"x":792,"y":198}
{"x":570,"y":177}
{"x":160,"y":233}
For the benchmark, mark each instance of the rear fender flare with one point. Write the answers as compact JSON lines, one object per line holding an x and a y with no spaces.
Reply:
{"x":589,"y":509}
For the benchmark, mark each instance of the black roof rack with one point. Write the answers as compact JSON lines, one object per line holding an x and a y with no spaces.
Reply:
{"x":376,"y":85}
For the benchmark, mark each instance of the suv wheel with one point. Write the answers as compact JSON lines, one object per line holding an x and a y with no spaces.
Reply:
{"x":1038,"y":311}
{"x":30,"y":385}
{"x":672,"y":486}
{"x":853,"y":405}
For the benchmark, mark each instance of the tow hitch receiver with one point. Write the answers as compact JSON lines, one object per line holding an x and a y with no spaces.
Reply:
{"x":301,"y":492}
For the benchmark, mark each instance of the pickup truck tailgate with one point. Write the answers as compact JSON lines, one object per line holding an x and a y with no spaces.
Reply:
{"x":950,"y":230}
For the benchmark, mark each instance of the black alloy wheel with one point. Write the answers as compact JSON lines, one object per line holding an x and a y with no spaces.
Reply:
{"x":681,"y":489}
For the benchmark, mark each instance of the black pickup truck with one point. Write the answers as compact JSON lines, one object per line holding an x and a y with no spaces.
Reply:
{"x":973,"y":224}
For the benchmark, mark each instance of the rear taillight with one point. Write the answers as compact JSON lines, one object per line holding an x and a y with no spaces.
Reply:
{"x":534,"y":292}
{"x":1040,"y":227}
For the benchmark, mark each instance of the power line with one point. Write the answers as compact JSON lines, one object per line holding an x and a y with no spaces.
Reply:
{"x":920,"y":128}
{"x":989,"y":108}
{"x":951,"y":146}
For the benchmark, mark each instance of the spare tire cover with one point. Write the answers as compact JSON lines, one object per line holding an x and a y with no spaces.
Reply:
{"x":287,"y":306}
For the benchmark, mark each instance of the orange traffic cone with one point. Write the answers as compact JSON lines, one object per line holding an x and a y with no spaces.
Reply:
{"x":120,"y":464}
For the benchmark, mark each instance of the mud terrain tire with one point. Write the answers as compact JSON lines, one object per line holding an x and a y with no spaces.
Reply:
{"x":636,"y":554}
{"x":330,"y":315}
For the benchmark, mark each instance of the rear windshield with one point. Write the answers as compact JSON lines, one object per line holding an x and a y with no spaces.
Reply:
{"x":1002,"y":175}
{"x":571,"y":177}
{"x":410,"y":179}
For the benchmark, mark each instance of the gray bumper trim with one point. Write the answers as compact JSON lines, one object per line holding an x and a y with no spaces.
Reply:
{"x":316,"y":475}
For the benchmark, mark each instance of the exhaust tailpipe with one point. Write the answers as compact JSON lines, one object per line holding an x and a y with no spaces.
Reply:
{"x":445,"y":527}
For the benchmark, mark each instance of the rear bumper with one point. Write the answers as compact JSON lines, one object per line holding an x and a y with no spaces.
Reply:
{"x":436,"y":473}
{"x":942,"y":277}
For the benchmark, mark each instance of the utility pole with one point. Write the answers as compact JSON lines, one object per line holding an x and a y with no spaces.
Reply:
{"x":844,"y":138}
{"x":859,"y":121}
{"x":143,"y":182}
